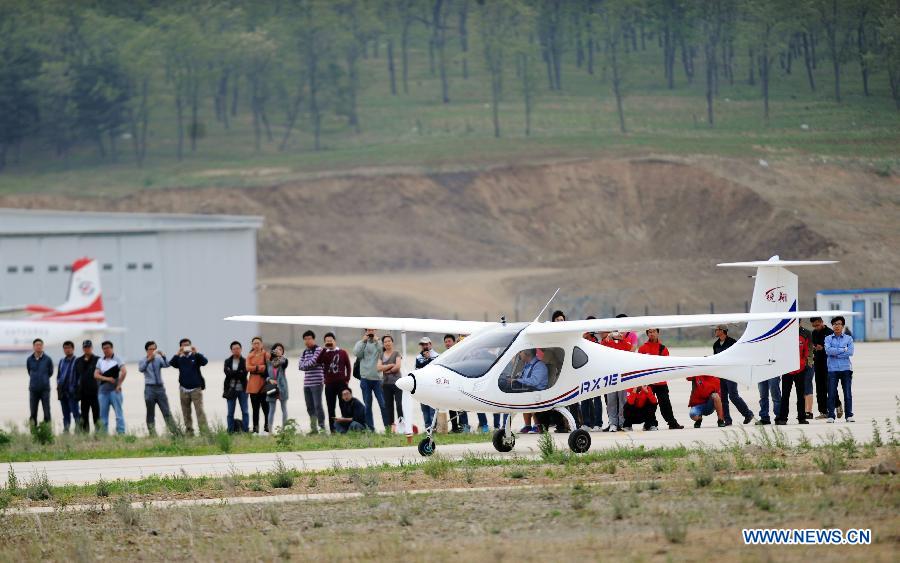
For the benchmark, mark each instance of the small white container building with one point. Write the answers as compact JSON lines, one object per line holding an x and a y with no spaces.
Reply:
{"x":880,"y":308}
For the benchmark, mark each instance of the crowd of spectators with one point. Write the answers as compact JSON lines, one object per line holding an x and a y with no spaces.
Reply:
{"x":88,"y":385}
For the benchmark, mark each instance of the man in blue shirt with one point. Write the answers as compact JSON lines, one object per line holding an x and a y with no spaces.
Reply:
{"x":67,"y":386}
{"x":40,"y":370}
{"x":533,"y":376}
{"x":191,"y":384}
{"x":838,"y":350}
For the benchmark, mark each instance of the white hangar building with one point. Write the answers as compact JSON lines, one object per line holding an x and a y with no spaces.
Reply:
{"x":163,"y":276}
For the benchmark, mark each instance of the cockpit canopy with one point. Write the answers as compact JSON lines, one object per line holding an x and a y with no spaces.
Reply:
{"x":477,"y":354}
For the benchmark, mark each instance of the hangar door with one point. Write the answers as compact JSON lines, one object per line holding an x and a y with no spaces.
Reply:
{"x":142,"y":294}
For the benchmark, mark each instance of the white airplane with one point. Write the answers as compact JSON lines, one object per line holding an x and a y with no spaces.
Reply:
{"x":82,"y":315}
{"x":479,"y":374}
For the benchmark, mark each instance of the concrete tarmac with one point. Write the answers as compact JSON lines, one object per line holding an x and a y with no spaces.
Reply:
{"x":876,"y":388}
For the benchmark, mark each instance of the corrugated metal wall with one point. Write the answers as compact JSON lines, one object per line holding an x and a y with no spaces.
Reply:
{"x":159,"y":286}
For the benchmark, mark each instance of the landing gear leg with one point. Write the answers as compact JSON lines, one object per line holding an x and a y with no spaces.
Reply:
{"x":504,"y":439}
{"x":579,"y":440}
{"x":427,"y":445}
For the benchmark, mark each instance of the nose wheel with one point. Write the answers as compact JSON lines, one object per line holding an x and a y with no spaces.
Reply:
{"x":427,"y":446}
{"x":504,"y":440}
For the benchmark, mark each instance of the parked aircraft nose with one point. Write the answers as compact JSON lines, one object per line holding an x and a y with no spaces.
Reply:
{"x":407,"y":383}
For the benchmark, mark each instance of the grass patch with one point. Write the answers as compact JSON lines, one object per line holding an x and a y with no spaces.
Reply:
{"x":22,"y":446}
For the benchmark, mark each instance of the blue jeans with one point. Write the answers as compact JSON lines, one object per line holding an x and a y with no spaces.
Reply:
{"x":592,"y":412}
{"x":71,"y":411}
{"x":704,"y":409}
{"x":766,"y":388}
{"x":428,"y":415}
{"x":353,"y":426}
{"x":729,"y":389}
{"x":114,"y":399}
{"x":369,"y":388}
{"x":245,"y":414}
{"x":846,"y":379}
{"x":482,"y":420}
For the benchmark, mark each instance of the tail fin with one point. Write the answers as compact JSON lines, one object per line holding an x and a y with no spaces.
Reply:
{"x":770,"y":347}
{"x":84,"y":302}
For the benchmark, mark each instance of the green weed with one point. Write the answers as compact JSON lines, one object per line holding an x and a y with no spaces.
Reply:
{"x":281,"y":477}
{"x":42,"y":433}
{"x":38,"y":487}
{"x":830,"y":460}
{"x":126,"y":512}
{"x":102,"y":488}
{"x":437,"y":466}
{"x":547,"y":446}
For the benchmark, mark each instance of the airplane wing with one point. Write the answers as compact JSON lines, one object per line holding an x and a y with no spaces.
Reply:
{"x":13,"y":309}
{"x":381,"y":323}
{"x":669,"y":321}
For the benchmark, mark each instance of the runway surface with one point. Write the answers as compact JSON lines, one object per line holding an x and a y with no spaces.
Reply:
{"x":876,"y":387}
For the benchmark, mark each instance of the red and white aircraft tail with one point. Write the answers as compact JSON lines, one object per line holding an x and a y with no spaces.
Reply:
{"x":84,"y":303}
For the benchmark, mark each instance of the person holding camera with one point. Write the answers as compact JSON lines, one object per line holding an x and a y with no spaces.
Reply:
{"x":257,"y":360}
{"x":110,"y":373}
{"x":235,"y":388}
{"x":367,"y":352}
{"x":276,"y":388}
{"x":191,"y":384}
{"x":154,"y":391}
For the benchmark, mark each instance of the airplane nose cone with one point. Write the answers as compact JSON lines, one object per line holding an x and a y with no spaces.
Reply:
{"x":407,"y":383}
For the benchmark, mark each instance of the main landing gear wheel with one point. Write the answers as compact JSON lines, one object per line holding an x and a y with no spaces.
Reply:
{"x":427,"y":447}
{"x":502,"y":442}
{"x":579,"y":441}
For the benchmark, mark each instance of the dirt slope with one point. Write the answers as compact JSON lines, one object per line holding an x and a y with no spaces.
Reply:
{"x":632,"y":232}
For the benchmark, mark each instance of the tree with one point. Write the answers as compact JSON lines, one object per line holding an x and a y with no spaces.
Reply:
{"x":768,"y":33}
{"x":19,"y":63}
{"x":615,"y":19}
{"x":257,"y":54}
{"x":834,"y":18}
{"x":186,"y":57}
{"x":499,"y":22}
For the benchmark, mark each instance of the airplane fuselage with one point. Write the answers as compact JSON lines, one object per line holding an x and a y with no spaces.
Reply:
{"x":16,"y":336}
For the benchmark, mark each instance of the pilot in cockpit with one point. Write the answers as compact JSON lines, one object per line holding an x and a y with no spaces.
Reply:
{"x":532,"y":377}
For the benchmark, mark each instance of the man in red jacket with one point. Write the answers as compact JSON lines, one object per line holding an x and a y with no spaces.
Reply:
{"x":798,"y":379}
{"x":654,"y":347}
{"x":640,"y":406}
{"x":336,"y":365}
{"x":705,"y":399}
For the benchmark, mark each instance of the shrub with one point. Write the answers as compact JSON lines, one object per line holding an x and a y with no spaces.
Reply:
{"x":103,"y":488}
{"x":547,"y":446}
{"x":127,"y":513}
{"x":437,"y":466}
{"x":5,"y":439}
{"x":223,"y":440}
{"x":286,"y":435}
{"x":281,"y":477}
{"x":703,"y":476}
{"x":38,"y":487}
{"x":42,"y":433}
{"x":12,"y":482}
{"x":516,"y":473}
{"x":876,"y":434}
{"x":674,"y":530}
{"x":830,"y":461}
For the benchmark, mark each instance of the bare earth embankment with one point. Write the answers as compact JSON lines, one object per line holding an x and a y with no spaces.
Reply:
{"x":617,"y":232}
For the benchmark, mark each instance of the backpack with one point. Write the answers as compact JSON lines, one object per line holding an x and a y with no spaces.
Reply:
{"x":356,"y":364}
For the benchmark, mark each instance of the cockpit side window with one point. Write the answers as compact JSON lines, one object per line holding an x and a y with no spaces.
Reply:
{"x":532,"y":369}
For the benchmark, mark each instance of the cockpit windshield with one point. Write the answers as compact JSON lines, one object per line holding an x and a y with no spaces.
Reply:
{"x":477,"y":354}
